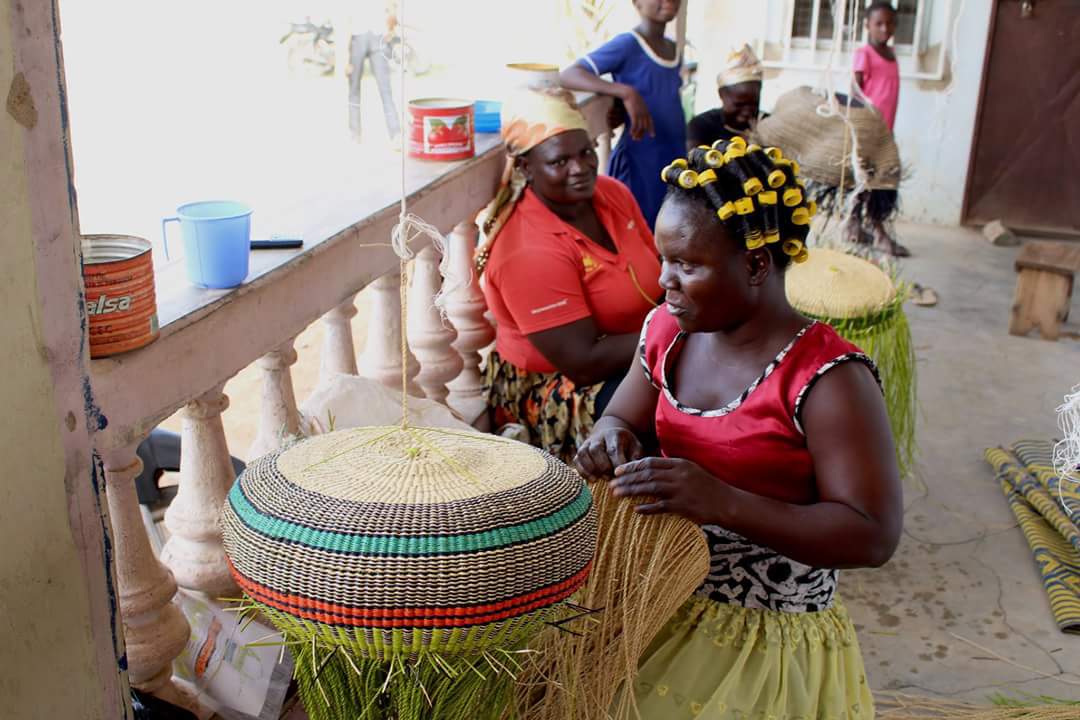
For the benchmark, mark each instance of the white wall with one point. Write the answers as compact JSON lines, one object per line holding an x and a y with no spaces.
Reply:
{"x":936,"y":119}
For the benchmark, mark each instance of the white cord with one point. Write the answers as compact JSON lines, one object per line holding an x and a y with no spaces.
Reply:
{"x":1067,"y":451}
{"x":410,"y":227}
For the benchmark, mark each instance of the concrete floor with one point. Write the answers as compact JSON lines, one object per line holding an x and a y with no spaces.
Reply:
{"x":963,"y":569}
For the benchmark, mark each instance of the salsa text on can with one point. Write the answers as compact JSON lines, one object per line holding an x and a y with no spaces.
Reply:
{"x":121,"y":305}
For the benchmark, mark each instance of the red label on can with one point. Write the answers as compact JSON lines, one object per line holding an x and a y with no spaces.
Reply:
{"x":441,"y":130}
{"x":447,"y":135}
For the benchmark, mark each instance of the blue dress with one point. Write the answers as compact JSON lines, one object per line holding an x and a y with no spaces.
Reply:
{"x":637,"y":163}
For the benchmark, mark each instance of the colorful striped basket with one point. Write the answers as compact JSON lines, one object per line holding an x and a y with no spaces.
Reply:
{"x":866,"y":308}
{"x":406,"y":567}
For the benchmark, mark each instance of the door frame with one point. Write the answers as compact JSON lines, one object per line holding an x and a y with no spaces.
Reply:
{"x":965,"y":209}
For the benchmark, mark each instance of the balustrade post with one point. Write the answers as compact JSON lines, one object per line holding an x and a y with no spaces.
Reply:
{"x":603,"y":150}
{"x":430,"y":337}
{"x":338,"y":351}
{"x":279,"y":419}
{"x":381,"y":359}
{"x":194,"y":551}
{"x":466,"y":308}
{"x":155,"y":631}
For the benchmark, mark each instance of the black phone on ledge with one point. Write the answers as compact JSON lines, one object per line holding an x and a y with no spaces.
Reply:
{"x":278,"y":242}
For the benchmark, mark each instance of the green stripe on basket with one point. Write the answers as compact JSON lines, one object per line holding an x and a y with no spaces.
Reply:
{"x":280,"y":529}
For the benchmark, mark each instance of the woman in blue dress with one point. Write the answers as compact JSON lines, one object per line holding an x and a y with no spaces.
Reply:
{"x":644,"y":67}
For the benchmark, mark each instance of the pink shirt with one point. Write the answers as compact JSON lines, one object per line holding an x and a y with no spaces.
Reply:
{"x":881,"y":81}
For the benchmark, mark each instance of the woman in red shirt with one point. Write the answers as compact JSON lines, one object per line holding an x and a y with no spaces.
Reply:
{"x":773,"y":436}
{"x":570,"y":271}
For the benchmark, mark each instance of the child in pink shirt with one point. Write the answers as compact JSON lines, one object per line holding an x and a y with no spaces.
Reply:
{"x":876,"y":71}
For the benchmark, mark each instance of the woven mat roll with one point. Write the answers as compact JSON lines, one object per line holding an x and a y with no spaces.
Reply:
{"x":835,"y":285}
{"x":821,"y":144}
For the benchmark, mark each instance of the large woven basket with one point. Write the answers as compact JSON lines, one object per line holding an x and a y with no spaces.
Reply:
{"x":866,"y":308}
{"x":410,"y":540}
{"x":395,"y":559}
{"x":823,"y":145}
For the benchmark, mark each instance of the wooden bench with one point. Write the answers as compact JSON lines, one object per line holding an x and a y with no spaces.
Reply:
{"x":1044,"y":287}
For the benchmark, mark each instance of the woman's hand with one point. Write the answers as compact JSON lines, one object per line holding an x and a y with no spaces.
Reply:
{"x":608,"y":447}
{"x":641,"y":122}
{"x":678,"y":486}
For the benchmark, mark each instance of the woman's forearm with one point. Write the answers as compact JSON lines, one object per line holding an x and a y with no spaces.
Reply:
{"x":608,"y":356}
{"x":576,"y":77}
{"x":823,"y":534}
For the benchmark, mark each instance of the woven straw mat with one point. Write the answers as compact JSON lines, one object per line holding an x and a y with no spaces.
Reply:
{"x":419,"y":537}
{"x":820,"y":144}
{"x":837,"y":286}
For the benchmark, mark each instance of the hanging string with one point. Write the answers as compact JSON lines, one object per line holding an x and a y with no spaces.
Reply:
{"x":831,"y":107}
{"x":410,"y":228}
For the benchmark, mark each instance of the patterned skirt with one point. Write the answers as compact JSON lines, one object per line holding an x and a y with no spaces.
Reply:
{"x":558,"y":414}
{"x":719,"y":661}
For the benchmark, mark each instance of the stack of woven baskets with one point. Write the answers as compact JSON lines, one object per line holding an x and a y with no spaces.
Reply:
{"x":866,"y":307}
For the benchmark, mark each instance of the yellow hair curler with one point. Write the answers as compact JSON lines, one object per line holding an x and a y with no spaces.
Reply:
{"x":726,"y":211}
{"x":793,"y":247}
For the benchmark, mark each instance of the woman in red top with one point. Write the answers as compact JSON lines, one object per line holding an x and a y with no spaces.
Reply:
{"x":570,"y":271}
{"x":773,"y":436}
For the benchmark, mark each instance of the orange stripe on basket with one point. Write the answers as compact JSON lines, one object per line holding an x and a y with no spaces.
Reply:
{"x":334,"y":614}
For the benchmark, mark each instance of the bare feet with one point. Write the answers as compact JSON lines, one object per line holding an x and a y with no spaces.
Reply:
{"x":884,"y":242}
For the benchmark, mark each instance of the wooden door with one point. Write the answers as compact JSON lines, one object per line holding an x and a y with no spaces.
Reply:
{"x":1025,"y":166}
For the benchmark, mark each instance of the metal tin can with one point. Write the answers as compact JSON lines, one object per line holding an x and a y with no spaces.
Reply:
{"x":118,"y":275}
{"x":441,"y":129}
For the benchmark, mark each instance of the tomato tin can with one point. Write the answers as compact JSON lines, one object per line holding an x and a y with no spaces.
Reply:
{"x":121,"y":304}
{"x":441,"y":129}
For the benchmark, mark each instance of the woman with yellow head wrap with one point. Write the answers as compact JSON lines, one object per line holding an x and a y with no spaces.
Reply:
{"x":569,"y":271}
{"x":739,"y":86}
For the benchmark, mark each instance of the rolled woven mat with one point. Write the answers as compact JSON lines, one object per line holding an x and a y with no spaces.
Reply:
{"x":645,"y":568}
{"x":899,"y":706}
{"x":823,"y":145}
{"x":407,"y":568}
{"x":863,"y":304}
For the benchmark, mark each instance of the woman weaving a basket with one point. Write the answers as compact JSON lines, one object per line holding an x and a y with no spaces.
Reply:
{"x":570,"y":271}
{"x":773,"y":436}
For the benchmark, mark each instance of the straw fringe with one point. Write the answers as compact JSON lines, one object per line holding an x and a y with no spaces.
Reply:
{"x":644,"y":569}
{"x":866,"y":308}
{"x":898,"y":706}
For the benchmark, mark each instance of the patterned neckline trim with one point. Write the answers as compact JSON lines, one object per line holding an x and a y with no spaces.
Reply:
{"x":734,"y":404}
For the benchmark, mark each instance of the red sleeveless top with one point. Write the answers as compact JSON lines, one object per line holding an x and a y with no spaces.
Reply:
{"x":756,"y":441}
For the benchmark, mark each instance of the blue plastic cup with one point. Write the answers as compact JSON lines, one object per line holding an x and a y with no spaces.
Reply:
{"x":217,"y":241}
{"x":487,"y":116}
